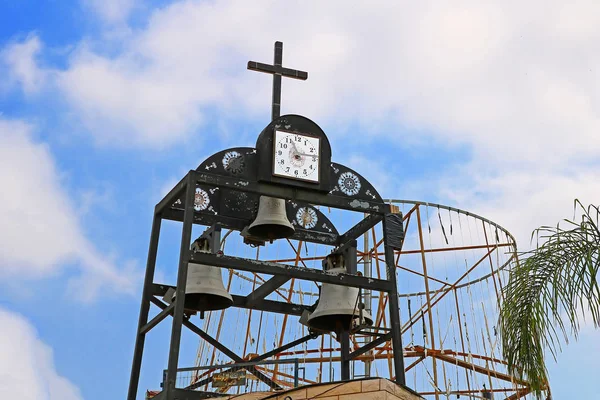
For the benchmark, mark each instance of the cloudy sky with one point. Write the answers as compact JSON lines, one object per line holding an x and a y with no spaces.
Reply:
{"x":492,"y":107}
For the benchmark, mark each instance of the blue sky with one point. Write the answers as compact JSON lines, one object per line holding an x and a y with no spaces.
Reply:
{"x":104,"y":105}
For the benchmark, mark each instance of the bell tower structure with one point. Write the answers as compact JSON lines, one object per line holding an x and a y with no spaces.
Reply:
{"x":271,"y":192}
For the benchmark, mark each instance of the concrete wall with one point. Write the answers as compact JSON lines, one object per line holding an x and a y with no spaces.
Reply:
{"x":367,"y":389}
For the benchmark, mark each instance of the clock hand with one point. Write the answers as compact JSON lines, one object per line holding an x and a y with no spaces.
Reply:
{"x":294,"y":146}
{"x":309,"y":155}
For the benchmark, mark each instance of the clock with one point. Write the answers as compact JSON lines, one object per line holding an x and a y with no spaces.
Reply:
{"x":296,"y":156}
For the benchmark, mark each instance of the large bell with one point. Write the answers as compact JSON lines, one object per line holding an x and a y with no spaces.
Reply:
{"x":204,"y":290}
{"x":271,"y":221}
{"x":338,"y":308}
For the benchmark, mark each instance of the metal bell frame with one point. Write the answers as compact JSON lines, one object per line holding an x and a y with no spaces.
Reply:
{"x":377,"y":212}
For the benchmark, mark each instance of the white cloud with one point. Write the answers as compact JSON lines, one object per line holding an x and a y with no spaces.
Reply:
{"x":20,"y":60}
{"x":521,"y":200}
{"x":518,"y":86}
{"x":486,"y":74}
{"x":111,"y":11}
{"x":40,"y":231}
{"x":27,"y":369}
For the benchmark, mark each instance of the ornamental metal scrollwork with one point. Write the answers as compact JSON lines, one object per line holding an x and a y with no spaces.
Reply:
{"x":233,"y":162}
{"x":201,"y":200}
{"x":349,"y":183}
{"x":307,"y":218}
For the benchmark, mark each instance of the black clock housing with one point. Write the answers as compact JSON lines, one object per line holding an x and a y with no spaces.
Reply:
{"x":300,"y":125}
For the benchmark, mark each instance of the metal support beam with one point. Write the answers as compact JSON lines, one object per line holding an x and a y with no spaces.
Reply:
{"x":144,"y":309}
{"x":172,"y":214}
{"x":428,"y":298}
{"x":266,"y":289}
{"x":309,"y":274}
{"x":344,"y":353}
{"x":157,"y":319}
{"x":273,"y":190}
{"x":172,"y":196}
{"x":278,"y":307}
{"x":290,"y":193}
{"x":184,"y":256}
{"x":263,"y":356}
{"x":223,"y":349}
{"x":359,"y":229}
{"x":370,"y":345}
{"x":394,"y":310}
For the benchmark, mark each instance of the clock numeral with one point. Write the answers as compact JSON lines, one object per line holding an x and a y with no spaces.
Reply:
{"x":298,"y":138}
{"x":296,"y":172}
{"x":305,"y":171}
{"x":282,"y":162}
{"x":287,"y":169}
{"x":279,"y":152}
{"x":314,"y":158}
{"x":310,"y":166}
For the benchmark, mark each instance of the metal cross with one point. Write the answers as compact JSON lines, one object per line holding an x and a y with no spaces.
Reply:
{"x":278,"y":71}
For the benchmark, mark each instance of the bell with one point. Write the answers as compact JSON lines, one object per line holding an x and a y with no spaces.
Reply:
{"x":338,"y":308}
{"x":271,"y":220}
{"x":204,"y":290}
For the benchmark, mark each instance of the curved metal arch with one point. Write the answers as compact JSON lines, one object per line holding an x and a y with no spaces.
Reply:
{"x":457,"y":210}
{"x":348,"y":182}
{"x":512,"y":242}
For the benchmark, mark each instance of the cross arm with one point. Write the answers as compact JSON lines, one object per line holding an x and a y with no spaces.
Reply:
{"x":276,"y":69}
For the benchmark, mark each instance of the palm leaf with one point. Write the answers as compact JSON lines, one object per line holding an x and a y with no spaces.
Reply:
{"x":550,"y":290}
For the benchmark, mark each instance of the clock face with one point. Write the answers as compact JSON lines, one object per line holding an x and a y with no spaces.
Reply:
{"x":296,"y":156}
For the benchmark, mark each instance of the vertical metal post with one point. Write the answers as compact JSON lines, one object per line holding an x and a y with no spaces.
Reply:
{"x":367,"y":271}
{"x":428,"y":297}
{"x":345,"y":352}
{"x":184,"y":256}
{"x":144,"y":309}
{"x":296,"y":368}
{"x":277,"y":62}
{"x":394,"y":308}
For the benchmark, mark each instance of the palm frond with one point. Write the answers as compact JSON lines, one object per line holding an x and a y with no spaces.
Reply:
{"x":550,"y":290}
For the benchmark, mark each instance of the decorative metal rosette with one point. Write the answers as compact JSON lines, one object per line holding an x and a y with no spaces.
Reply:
{"x":306,"y":218}
{"x":349,"y":183}
{"x":201,"y":200}
{"x":233,"y":162}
